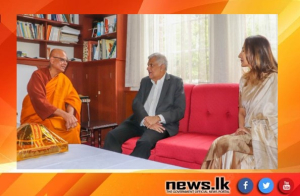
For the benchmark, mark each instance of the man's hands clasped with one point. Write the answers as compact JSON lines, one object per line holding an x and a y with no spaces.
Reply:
{"x":152,"y":122}
{"x":71,"y":121}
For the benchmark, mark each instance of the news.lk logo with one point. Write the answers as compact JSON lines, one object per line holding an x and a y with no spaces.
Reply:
{"x":245,"y":185}
{"x":265,"y":185}
{"x":286,"y":185}
{"x":200,"y":187}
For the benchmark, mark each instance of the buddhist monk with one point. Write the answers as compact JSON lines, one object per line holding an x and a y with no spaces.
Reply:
{"x":52,"y":99}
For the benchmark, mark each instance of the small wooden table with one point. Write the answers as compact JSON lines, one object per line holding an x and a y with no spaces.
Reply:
{"x":99,"y":125}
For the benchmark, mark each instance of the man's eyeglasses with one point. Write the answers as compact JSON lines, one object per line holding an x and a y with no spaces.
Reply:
{"x":62,"y":60}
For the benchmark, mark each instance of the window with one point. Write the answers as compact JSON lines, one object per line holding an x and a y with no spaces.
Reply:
{"x":266,"y":25}
{"x":200,"y":48}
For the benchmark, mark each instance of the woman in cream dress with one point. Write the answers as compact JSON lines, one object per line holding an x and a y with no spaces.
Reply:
{"x":254,"y":144}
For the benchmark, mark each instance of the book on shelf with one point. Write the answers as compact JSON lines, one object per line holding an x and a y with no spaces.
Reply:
{"x":48,"y":31}
{"x":65,"y":18}
{"x":108,"y":48}
{"x":53,"y":17}
{"x":92,"y":45}
{"x":54,"y":34}
{"x":110,"y":23}
{"x":85,"y":51}
{"x":113,"y":51}
{"x":30,"y":30}
{"x":24,"y":29}
{"x":98,"y":53}
{"x":75,"y":18}
{"x":103,"y":49}
{"x":59,"y":18}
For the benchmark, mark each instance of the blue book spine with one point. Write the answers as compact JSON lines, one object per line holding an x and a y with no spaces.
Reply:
{"x":98,"y":29}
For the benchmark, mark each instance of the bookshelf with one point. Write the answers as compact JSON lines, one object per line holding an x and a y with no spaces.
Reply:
{"x":42,"y":25}
{"x":102,"y":80}
{"x":105,"y":79}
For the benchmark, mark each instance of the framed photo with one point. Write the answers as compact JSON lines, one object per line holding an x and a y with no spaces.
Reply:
{"x":94,"y":32}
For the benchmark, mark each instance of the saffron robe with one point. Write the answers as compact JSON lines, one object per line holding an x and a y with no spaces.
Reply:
{"x":45,"y":95}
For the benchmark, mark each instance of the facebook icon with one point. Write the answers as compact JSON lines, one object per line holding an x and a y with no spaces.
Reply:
{"x":245,"y":185}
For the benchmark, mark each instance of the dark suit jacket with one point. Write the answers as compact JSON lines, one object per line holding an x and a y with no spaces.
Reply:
{"x":171,"y":103}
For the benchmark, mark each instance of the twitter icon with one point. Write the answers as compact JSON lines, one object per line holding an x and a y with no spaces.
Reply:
{"x":265,"y":185}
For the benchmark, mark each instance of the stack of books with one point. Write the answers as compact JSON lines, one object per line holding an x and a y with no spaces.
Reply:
{"x":69,"y":35}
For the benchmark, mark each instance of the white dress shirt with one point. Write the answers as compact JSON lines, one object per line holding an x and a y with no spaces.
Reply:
{"x":153,"y":98}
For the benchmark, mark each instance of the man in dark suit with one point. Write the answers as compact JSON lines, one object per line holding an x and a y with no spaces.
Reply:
{"x":157,"y":109}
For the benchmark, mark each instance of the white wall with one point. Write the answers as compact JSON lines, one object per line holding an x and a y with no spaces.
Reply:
{"x":23,"y":75}
{"x":32,"y":49}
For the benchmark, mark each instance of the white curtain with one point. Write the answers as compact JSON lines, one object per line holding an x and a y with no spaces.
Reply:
{"x":227,"y":34}
{"x":266,"y":25}
{"x":182,"y":38}
{"x":199,"y":48}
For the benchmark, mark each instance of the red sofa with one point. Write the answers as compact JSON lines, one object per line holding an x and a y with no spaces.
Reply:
{"x":211,"y":111}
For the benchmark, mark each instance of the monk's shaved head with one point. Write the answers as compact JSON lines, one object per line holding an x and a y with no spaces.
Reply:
{"x":56,"y":52}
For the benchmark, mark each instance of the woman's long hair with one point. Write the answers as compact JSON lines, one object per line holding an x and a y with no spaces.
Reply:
{"x":259,"y":55}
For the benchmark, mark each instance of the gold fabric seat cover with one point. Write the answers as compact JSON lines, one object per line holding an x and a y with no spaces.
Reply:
{"x":34,"y":140}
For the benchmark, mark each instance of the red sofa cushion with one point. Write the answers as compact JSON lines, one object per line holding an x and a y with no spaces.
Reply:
{"x":180,"y":163}
{"x":183,"y":123}
{"x":186,"y":147}
{"x":214,"y":109}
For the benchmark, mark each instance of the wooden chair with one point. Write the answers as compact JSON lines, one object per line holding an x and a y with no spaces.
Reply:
{"x":88,"y":128}
{"x":85,"y":133}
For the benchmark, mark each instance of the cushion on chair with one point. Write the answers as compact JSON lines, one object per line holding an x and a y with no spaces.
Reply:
{"x":186,"y":147}
{"x":214,"y":109}
{"x":183,"y":123}
{"x":176,"y":162}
